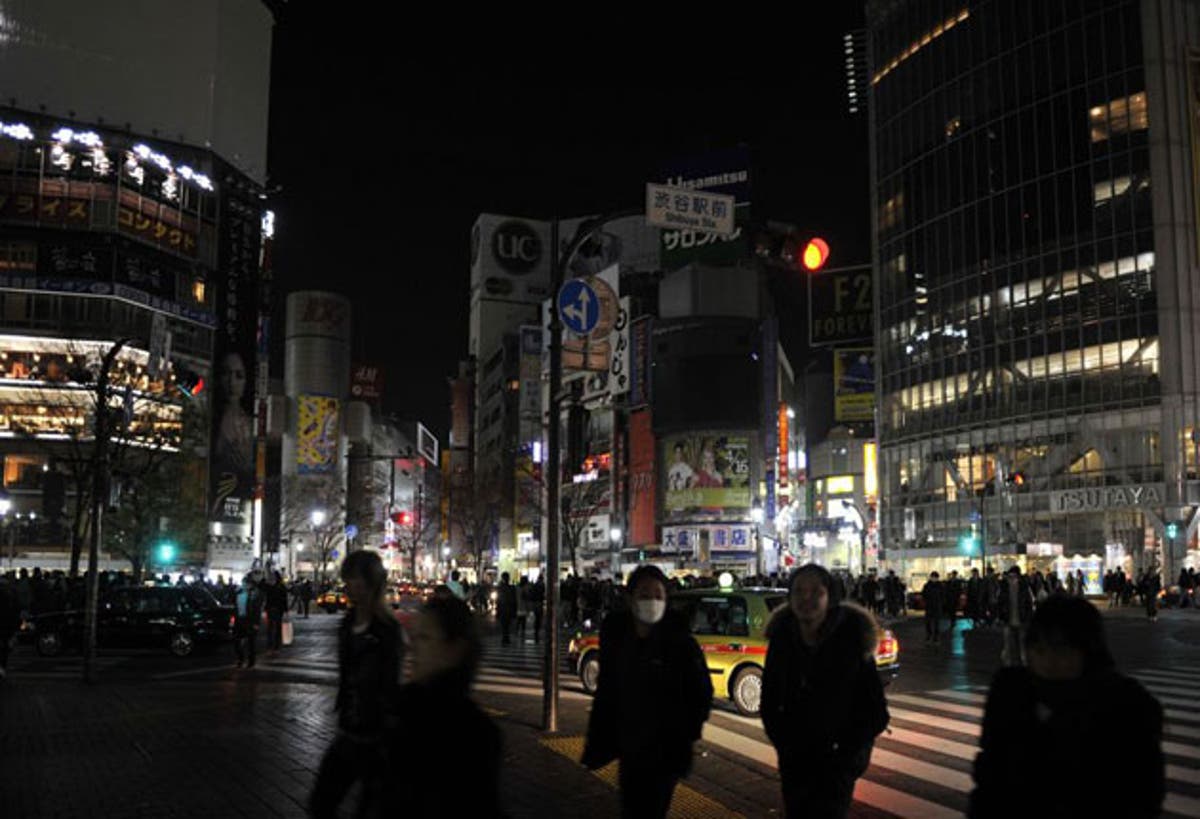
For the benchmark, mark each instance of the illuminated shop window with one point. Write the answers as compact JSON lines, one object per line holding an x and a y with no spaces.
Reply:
{"x":18,"y":256}
{"x":1121,"y":116}
{"x":23,"y":470}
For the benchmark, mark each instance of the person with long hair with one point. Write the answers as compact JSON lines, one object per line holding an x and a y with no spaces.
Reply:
{"x":445,"y":755}
{"x":822,"y":699}
{"x":1070,"y":712}
{"x":652,"y":699}
{"x":370,"y":652}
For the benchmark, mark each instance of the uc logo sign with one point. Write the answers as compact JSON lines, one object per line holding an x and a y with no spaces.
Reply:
{"x":516,"y":247}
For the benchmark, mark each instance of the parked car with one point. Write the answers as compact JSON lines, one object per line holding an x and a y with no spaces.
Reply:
{"x":175,"y":618}
{"x":729,"y":625}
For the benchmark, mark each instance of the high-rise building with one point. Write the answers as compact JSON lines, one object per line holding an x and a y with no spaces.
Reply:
{"x":132,"y":166}
{"x":1034,"y":172}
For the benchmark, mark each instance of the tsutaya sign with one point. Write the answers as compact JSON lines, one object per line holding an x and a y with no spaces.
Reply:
{"x":1107,"y":497}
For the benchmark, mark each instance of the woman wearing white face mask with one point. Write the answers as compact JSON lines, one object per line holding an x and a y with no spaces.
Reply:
{"x":652,"y":698}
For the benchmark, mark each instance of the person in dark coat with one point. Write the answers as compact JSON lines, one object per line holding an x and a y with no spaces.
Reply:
{"x":934,"y":595}
{"x":1057,"y":715}
{"x":652,"y":697}
{"x":506,"y":607}
{"x":1150,"y":589}
{"x":370,"y":653}
{"x":440,"y":731}
{"x":975,"y":598}
{"x":1015,"y":609}
{"x":822,"y":700}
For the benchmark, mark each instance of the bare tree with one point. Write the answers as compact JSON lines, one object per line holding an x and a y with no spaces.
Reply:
{"x":474,"y":512}
{"x":302,"y":496}
{"x":580,"y":503}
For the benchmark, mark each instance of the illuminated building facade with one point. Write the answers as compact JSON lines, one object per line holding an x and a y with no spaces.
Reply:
{"x":1035,"y":205}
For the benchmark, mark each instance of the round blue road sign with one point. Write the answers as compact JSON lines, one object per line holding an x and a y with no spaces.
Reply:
{"x":578,"y":306}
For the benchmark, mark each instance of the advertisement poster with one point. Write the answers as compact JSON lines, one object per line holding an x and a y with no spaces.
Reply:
{"x":854,"y":384}
{"x":706,"y":473}
{"x":641,"y":479}
{"x":233,"y":437}
{"x":840,"y":306}
{"x":316,"y":434}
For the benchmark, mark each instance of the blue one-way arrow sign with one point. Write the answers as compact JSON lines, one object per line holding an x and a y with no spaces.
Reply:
{"x":578,"y":307}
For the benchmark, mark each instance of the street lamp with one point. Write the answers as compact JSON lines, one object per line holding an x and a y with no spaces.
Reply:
{"x":614,"y":534}
{"x":317,"y":517}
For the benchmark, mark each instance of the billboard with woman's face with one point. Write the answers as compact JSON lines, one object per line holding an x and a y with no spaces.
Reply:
{"x":233,"y":440}
{"x":706,"y":473}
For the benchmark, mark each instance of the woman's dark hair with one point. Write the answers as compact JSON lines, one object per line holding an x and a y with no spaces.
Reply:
{"x":1071,"y":622}
{"x":832,"y":587}
{"x":644,"y":571}
{"x":368,"y":565}
{"x":457,"y":624}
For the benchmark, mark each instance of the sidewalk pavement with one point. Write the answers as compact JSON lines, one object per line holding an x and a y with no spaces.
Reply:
{"x":179,"y":749}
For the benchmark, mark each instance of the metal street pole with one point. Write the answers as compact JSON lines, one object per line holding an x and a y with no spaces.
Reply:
{"x":99,"y":493}
{"x":558,"y":266}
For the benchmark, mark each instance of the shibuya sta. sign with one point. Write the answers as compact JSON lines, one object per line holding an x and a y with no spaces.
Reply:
{"x":1108,"y":497}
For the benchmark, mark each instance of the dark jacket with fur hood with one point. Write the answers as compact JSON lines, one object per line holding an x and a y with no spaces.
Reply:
{"x":827,"y":699}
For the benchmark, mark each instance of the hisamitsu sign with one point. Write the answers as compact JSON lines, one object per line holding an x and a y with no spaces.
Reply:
{"x":669,"y":207}
{"x":1107,"y":497}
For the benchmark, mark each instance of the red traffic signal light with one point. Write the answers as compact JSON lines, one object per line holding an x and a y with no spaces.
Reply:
{"x":402,"y":518}
{"x":816,"y":252}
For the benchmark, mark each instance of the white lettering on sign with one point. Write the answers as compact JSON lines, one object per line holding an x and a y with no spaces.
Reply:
{"x":1107,"y":497}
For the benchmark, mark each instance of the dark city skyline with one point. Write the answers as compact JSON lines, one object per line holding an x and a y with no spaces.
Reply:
{"x":385,"y":159}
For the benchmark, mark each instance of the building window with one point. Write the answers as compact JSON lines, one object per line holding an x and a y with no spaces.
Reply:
{"x":892,"y":212}
{"x":1121,"y":116}
{"x":198,"y":291}
{"x":23,"y":471}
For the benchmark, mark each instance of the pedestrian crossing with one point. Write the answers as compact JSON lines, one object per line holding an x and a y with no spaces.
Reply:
{"x":922,"y":766}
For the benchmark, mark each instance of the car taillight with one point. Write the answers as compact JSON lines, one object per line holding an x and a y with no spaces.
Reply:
{"x":887,"y":646}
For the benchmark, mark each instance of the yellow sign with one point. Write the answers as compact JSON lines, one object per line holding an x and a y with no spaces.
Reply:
{"x":854,"y":384}
{"x":839,"y":485}
{"x":316,"y":434}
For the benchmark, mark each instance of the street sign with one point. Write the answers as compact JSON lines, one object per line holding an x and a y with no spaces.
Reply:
{"x":351,"y":531}
{"x":702,"y":211}
{"x":578,"y":307}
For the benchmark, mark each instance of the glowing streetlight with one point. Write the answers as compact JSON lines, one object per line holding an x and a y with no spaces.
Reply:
{"x":614,"y":534}
{"x":317,"y":517}
{"x":756,"y":514}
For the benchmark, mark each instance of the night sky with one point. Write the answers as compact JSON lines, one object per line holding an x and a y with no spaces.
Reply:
{"x":386,"y":150}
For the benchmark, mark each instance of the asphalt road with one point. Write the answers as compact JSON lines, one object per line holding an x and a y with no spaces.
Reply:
{"x":921,"y":768}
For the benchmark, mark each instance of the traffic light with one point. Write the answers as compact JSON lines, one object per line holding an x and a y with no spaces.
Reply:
{"x":403,"y":518}
{"x":1017,"y":479}
{"x":816,"y":253}
{"x":968,"y":543}
{"x":166,"y":552}
{"x":1171,"y":531}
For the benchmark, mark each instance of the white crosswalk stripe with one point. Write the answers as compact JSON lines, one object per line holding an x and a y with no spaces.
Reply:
{"x":922,"y":766}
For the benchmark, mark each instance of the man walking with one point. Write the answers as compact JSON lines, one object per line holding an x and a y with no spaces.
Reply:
{"x":506,"y":608}
{"x":1015,"y":608}
{"x":933,"y":594}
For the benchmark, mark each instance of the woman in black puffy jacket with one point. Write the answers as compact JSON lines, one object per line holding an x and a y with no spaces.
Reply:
{"x":822,"y":700}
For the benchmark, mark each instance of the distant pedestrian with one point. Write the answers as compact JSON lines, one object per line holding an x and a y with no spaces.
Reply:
{"x":652,"y":698}
{"x":933,"y":593}
{"x":370,"y":652}
{"x":537,"y":602}
{"x":954,"y":591}
{"x":445,"y":753}
{"x":975,"y":599}
{"x":1015,"y":608}
{"x":822,"y":700}
{"x":456,"y":586}
{"x":275,"y":600}
{"x":506,"y":608}
{"x":247,"y":616}
{"x":305,"y":596}
{"x":1080,"y":583}
{"x":1069,"y":712}
{"x":522,"y":607}
{"x":1150,"y":589}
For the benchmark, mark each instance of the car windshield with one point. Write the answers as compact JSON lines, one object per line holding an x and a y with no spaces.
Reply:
{"x":200,"y":599}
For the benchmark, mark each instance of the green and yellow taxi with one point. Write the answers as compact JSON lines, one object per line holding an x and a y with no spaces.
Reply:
{"x":729,"y":624}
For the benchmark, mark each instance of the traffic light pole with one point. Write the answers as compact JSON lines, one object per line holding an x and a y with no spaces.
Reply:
{"x":99,"y":496}
{"x":558,"y":266}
